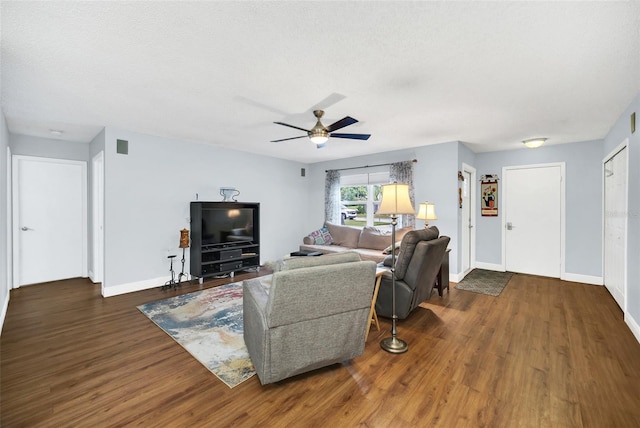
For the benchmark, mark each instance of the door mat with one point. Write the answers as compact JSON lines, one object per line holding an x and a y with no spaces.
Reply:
{"x":482,"y":281}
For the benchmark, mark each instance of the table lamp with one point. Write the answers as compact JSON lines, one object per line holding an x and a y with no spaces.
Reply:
{"x":426,"y":212}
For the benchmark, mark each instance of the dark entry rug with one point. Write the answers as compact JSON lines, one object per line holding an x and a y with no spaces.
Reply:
{"x":483,"y":281}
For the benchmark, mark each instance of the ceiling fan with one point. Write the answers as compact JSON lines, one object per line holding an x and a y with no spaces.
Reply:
{"x":319,"y":134}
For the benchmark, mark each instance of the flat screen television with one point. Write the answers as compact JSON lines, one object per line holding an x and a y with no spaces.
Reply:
{"x":224,"y":224}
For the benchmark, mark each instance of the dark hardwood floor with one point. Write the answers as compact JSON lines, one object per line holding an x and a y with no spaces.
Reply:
{"x":545,"y":353}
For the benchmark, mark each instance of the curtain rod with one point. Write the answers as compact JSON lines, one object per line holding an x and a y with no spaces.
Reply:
{"x":366,"y":166}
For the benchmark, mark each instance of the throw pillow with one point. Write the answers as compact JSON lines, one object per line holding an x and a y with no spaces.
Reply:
{"x":388,"y":249}
{"x":321,"y":236}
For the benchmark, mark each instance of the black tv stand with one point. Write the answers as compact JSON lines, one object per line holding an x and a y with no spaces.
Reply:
{"x":210,"y":258}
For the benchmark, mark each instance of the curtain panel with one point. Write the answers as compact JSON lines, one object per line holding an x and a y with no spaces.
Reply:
{"x":402,"y":172}
{"x":332,"y":197}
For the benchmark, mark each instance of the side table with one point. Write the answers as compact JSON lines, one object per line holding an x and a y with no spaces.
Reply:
{"x":442,"y":279}
{"x":373,"y":317}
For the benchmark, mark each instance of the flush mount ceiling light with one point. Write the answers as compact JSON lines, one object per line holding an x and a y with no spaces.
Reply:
{"x":534,"y":143}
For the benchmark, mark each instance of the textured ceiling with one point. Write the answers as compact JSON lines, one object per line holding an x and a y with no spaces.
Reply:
{"x":489,"y":74}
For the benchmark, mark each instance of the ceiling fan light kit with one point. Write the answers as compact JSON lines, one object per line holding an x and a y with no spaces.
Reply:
{"x":319,"y":134}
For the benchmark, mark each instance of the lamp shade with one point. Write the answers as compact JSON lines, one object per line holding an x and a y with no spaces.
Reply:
{"x":395,"y":199}
{"x":427,"y":211}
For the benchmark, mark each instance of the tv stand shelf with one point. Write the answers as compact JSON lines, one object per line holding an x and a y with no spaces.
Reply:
{"x":225,"y":237}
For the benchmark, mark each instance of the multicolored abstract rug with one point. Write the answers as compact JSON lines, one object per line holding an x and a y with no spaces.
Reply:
{"x":485,"y":282}
{"x":208,"y":324}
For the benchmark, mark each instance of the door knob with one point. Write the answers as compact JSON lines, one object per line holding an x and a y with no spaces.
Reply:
{"x":509,"y":226}
{"x":25,"y":228}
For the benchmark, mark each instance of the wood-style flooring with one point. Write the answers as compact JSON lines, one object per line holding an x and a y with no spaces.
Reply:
{"x":545,"y":353}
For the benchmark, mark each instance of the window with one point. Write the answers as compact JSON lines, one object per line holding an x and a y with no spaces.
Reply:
{"x":362,"y":193}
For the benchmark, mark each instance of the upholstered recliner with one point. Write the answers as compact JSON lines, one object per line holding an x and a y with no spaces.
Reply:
{"x":417,"y":264}
{"x":314,"y":313}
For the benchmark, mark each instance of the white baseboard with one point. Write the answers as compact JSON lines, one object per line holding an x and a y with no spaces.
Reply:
{"x":633,"y":325}
{"x":130,"y":287}
{"x":585,"y":279}
{"x":490,"y":266}
{"x":457,"y":277}
{"x":5,"y":308}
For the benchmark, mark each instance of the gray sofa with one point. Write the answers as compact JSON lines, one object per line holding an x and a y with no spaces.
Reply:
{"x":417,"y":265}
{"x":369,"y":242}
{"x":312,"y":312}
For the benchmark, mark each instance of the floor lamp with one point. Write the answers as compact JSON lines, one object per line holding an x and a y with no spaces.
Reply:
{"x":395,"y":200}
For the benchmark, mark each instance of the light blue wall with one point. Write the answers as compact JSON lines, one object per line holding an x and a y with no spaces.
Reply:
{"x":147,"y":195}
{"x":4,"y":220}
{"x":583,"y":245}
{"x":620,"y":131}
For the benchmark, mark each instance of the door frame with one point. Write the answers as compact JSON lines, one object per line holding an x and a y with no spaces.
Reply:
{"x":9,"y":225}
{"x":15,"y":196}
{"x":472,"y":215}
{"x":97,"y":211}
{"x":608,"y":157}
{"x":563,"y":197}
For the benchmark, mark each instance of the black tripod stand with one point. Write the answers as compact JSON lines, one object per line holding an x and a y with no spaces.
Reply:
{"x":172,"y":282}
{"x":181,"y":274}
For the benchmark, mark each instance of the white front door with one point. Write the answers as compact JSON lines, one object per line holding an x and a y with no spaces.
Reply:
{"x":49,"y":212}
{"x":615,"y":224}
{"x":533,"y":219}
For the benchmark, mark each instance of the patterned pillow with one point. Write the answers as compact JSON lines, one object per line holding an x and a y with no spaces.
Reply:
{"x":388,"y":249}
{"x":321,"y":236}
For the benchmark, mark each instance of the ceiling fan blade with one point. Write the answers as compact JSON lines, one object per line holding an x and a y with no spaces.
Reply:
{"x":345,"y":121}
{"x":285,"y":139}
{"x":352,"y":136}
{"x":328,"y":102}
{"x":292,"y":126}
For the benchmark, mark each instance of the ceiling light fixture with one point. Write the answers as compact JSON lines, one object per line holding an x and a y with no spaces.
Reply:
{"x":534,"y":143}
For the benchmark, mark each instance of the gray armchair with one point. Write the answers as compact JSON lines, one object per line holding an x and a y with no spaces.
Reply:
{"x":417,"y":264}
{"x":313,"y":314}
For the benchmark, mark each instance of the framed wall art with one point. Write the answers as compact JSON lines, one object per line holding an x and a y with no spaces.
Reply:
{"x":489,"y":195}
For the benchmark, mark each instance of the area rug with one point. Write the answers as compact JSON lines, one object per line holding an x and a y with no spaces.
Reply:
{"x":208,"y":324}
{"x":485,"y":282}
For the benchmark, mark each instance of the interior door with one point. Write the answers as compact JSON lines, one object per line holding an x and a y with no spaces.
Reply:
{"x":615,"y":225}
{"x":49,"y":211}
{"x":466,"y":227}
{"x":533,"y":202}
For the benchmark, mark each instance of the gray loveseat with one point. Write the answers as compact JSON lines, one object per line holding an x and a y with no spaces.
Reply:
{"x":369,"y":242}
{"x":312,"y":312}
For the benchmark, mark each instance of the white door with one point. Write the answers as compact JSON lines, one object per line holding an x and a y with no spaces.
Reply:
{"x":533,"y":219}
{"x":49,"y":212}
{"x":97,"y":197}
{"x":467,"y":189}
{"x":615,"y":225}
